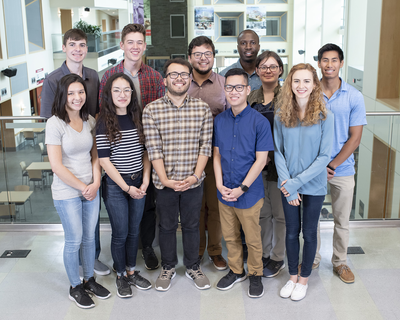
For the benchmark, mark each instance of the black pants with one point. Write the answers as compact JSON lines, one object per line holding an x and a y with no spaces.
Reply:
{"x":148,"y":224}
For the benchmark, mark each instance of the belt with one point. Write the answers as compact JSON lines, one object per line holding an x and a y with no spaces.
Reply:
{"x":133,"y":176}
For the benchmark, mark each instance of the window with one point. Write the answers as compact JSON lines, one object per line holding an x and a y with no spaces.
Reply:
{"x":177,"y":26}
{"x":229,"y":27}
{"x":14,"y":28}
{"x":272,"y":26}
{"x":34,"y":23}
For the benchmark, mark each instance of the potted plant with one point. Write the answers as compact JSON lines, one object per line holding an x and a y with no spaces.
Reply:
{"x":93,"y":34}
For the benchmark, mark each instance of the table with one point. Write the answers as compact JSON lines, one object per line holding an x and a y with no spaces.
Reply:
{"x":36,"y":130}
{"x":17,"y":197}
{"x":39,"y":166}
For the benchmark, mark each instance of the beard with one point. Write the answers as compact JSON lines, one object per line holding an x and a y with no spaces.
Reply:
{"x":202,"y":72}
{"x":177,"y":93}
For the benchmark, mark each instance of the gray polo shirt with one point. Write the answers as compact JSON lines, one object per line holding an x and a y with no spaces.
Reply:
{"x":50,"y":86}
{"x":254,"y":80}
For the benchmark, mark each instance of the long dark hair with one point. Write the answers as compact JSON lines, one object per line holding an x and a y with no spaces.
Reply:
{"x":108,"y":114}
{"x":60,"y":100}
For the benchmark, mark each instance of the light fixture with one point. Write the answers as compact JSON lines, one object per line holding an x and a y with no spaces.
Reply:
{"x":9,"y":72}
{"x":315,"y":58}
{"x":301,"y":51}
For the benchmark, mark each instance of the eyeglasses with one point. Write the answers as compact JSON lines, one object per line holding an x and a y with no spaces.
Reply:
{"x":238,"y":87}
{"x":272,"y":68}
{"x":127,"y":92}
{"x":198,"y":55}
{"x":175,"y":75}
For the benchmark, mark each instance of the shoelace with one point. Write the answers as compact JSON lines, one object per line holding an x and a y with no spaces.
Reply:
{"x":164,"y":274}
{"x":343,"y":268}
{"x":197,"y":273}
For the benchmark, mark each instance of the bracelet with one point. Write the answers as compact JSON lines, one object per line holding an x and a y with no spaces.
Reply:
{"x":128,"y":189}
{"x":197,"y":178}
{"x":328,"y":166}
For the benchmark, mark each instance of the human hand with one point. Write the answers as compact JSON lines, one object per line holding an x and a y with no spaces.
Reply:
{"x":136,"y":193}
{"x":90,"y":191}
{"x":284,"y":191}
{"x":330,"y":173}
{"x":188,"y":182}
{"x":295,"y":202}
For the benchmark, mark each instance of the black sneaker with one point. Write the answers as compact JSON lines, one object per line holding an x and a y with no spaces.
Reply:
{"x":138,"y":281}
{"x":256,"y":288}
{"x":227,"y":282}
{"x":123,"y":287}
{"x":97,"y":289}
{"x":273,"y":268}
{"x":80,"y":296}
{"x":265,"y":261}
{"x":150,"y":258}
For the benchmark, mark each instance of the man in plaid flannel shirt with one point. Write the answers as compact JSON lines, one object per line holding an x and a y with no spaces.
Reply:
{"x":149,"y":86}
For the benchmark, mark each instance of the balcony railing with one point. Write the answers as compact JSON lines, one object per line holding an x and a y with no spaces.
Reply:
{"x":106,"y":43}
{"x":26,"y":177}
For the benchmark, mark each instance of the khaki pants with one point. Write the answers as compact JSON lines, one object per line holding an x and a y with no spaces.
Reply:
{"x":231,"y":220}
{"x":272,"y":221}
{"x":342,"y":189}
{"x":213,"y":222}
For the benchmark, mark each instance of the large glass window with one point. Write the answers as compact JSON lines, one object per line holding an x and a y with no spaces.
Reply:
{"x":33,"y":10}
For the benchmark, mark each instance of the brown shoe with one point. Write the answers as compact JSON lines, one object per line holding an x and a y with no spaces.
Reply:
{"x":218,"y":262}
{"x":314,"y":266}
{"x":344,"y":273}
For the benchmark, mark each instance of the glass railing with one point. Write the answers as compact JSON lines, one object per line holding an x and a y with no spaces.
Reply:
{"x":25,"y":173}
{"x":106,"y":43}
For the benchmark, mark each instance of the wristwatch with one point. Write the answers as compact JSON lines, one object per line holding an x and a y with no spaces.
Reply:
{"x":244,"y":188}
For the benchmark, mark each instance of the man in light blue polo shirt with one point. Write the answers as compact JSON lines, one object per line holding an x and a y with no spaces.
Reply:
{"x":248,"y":45}
{"x":347,"y":104}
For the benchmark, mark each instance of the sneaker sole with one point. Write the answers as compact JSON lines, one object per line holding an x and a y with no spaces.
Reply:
{"x":79,"y":305}
{"x":207,"y":286}
{"x":236,"y":281}
{"x":121,"y":296}
{"x":148,"y":267}
{"x":165,"y":289}
{"x":141,"y":288}
{"x":276,"y":273}
{"x":101,"y":297}
{"x":259,"y":296}
{"x":218,"y":268}
{"x":102,"y":273}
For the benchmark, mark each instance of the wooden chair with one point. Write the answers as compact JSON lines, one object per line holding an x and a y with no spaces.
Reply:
{"x":7,"y":211}
{"x":36,"y":176}
{"x":29,"y":136}
{"x":24,"y":172}
{"x":42,"y":149}
{"x":23,"y":188}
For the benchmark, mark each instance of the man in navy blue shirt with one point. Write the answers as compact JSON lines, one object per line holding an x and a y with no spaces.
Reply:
{"x":242,"y":139}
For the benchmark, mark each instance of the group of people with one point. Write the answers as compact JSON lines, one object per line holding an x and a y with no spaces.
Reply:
{"x":271,"y":148}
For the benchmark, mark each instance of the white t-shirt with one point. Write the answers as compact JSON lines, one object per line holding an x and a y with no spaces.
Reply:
{"x":76,"y":157}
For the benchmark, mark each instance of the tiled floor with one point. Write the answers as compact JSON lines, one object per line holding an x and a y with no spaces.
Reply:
{"x":37,"y":287}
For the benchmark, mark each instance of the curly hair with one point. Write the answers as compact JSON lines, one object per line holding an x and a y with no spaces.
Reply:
{"x":288,"y":108}
{"x":108,"y":114}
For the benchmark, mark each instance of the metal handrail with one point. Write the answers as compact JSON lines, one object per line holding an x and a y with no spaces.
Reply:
{"x":389,"y":113}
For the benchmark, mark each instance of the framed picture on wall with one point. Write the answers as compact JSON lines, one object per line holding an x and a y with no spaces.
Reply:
{"x":178,"y":55}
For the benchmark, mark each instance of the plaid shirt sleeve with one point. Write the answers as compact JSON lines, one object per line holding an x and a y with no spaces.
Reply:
{"x":206,"y":133}
{"x":151,"y":84}
{"x":152,"y":134}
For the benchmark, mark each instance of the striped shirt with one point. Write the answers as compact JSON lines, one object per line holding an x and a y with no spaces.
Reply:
{"x":127,"y":154}
{"x":178,"y":136}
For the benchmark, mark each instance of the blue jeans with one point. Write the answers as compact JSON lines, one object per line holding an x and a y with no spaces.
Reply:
{"x":125,"y":216}
{"x":79,"y":218}
{"x":170,"y":205}
{"x":311,"y":210}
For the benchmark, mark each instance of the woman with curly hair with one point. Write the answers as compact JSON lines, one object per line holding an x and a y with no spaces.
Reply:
{"x":120,"y":144}
{"x":303,"y":135}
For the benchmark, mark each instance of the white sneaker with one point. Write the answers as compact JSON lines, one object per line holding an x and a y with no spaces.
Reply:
{"x":299,"y":292}
{"x":287,"y":290}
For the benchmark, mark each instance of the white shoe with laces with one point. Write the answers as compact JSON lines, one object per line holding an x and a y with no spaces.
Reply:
{"x":299,"y":292}
{"x":287,"y":290}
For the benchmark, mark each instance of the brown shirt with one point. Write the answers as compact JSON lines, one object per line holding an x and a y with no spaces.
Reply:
{"x":212,"y":92}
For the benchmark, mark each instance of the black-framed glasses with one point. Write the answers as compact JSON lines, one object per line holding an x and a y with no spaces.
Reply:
{"x":127,"y":92}
{"x":198,"y":55}
{"x":175,"y":75}
{"x":238,"y":87}
{"x":273,"y":68}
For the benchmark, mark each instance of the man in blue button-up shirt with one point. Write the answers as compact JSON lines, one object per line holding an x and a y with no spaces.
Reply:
{"x":242,"y":139}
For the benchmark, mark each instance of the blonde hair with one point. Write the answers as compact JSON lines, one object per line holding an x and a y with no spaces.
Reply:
{"x":287,"y":107}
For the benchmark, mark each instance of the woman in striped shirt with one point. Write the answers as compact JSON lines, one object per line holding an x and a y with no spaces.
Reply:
{"x":120,"y":145}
